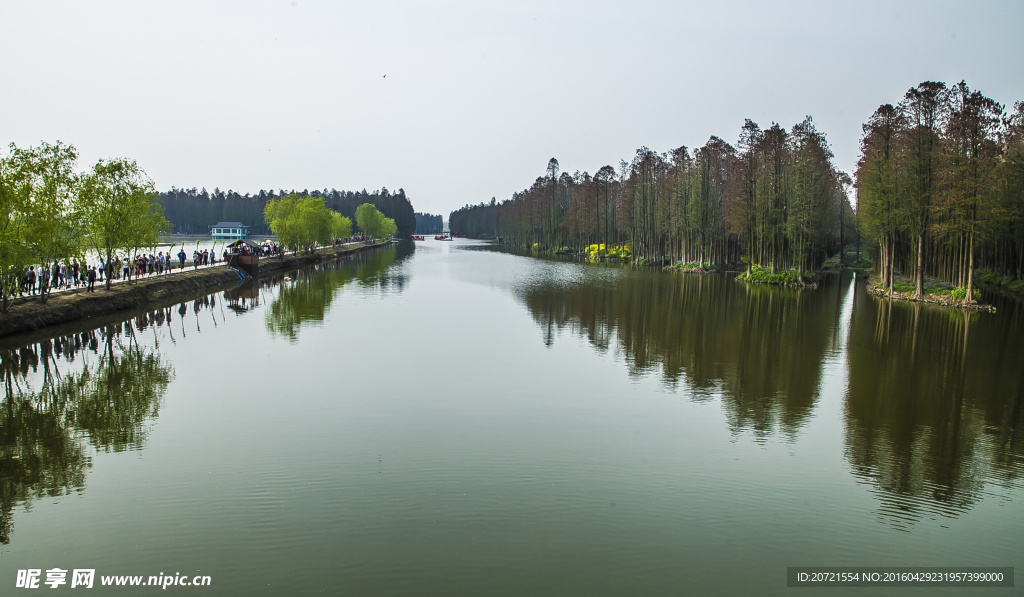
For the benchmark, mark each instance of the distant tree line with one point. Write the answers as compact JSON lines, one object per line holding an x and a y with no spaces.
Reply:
{"x":193,"y":211}
{"x":941,"y":186}
{"x":429,"y":223}
{"x":775,"y":200}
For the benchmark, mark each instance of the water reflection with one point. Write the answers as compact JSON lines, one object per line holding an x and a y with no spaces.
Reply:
{"x":761,"y":349}
{"x":934,"y":408}
{"x":62,"y":395}
{"x":934,"y":402}
{"x":307,"y":298}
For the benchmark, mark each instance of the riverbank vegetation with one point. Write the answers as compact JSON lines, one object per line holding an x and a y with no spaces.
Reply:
{"x":764,"y":275}
{"x":50,"y":212}
{"x":305,"y":222}
{"x":774,"y":200}
{"x":193,"y":211}
{"x":939,"y":184}
{"x":374,"y":223}
{"x":941,"y":188}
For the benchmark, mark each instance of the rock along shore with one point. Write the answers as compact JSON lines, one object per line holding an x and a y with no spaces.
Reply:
{"x":29,"y":313}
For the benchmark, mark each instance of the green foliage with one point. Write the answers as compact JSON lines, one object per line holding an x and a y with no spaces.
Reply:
{"x":764,"y":275}
{"x":119,"y":209}
{"x":193,"y":210}
{"x":14,"y":255}
{"x":991,"y":278}
{"x":375,"y":224}
{"x":47,"y":177}
{"x":958,"y":294}
{"x":305,"y":222}
{"x":903,"y":286}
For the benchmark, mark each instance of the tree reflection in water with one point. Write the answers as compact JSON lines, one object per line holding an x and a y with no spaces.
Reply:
{"x":761,"y":349}
{"x":65,"y":394}
{"x":934,"y":408}
{"x":308,"y":297}
{"x":934,"y":399}
{"x":99,"y":389}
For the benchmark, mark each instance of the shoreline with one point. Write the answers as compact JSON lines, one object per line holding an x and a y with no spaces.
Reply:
{"x":29,"y":314}
{"x":941,"y":300}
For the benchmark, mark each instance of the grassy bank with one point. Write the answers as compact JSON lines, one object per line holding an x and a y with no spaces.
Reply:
{"x":936,"y":292}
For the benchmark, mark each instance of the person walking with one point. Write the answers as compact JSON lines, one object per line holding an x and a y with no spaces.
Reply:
{"x":31,"y":279}
{"x":181,"y":257}
{"x":90,"y":280}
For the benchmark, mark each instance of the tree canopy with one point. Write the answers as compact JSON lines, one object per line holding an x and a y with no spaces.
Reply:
{"x":305,"y":222}
{"x":374,"y":223}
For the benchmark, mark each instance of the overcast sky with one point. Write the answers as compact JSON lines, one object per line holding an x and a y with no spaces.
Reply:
{"x":477,"y":95}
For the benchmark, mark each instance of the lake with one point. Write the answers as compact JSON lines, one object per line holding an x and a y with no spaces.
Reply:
{"x":452,"y":418}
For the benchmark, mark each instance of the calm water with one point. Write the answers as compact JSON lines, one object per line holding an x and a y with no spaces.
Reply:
{"x":449,"y":419}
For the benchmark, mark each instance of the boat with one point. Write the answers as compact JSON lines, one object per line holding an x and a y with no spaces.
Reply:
{"x":416,"y":237}
{"x":442,"y":238}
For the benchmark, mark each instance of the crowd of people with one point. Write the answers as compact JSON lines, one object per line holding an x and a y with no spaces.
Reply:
{"x":73,"y":274}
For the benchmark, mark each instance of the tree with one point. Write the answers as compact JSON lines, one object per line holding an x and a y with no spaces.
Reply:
{"x":970,"y":179}
{"x":119,"y":209}
{"x":14,"y":255}
{"x":878,"y":184}
{"x":52,"y":225}
{"x":305,"y":222}
{"x":923,"y":109}
{"x":374,"y":223}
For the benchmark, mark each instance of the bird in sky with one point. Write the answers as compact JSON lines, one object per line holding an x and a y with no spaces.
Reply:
{"x":385,"y":76}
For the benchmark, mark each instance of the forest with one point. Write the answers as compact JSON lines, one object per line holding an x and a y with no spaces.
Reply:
{"x":939,"y":188}
{"x":429,"y":223}
{"x":776,"y":199}
{"x":192,"y":211}
{"x":940,"y":184}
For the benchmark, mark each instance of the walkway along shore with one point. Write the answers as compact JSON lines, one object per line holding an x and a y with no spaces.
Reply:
{"x":28,"y":313}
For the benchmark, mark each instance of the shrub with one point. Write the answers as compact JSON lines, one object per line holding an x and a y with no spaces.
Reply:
{"x":958,"y":294}
{"x":764,"y":275}
{"x":904,"y":286}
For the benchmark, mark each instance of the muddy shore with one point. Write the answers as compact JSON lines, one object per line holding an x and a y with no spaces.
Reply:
{"x":28,"y":314}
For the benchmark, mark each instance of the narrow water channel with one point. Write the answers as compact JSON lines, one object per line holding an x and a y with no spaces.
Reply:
{"x":453,"y":419}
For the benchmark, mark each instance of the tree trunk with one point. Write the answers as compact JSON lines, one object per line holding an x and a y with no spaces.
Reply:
{"x":970,"y":271}
{"x":110,"y":257}
{"x":920,"y":265}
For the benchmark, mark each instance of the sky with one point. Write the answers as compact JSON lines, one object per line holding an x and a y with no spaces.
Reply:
{"x":457,"y":102}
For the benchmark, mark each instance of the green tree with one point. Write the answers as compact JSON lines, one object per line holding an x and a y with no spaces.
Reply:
{"x":374,"y":223}
{"x":119,"y":209}
{"x":304,"y":222}
{"x":14,"y":256}
{"x":52,"y":225}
